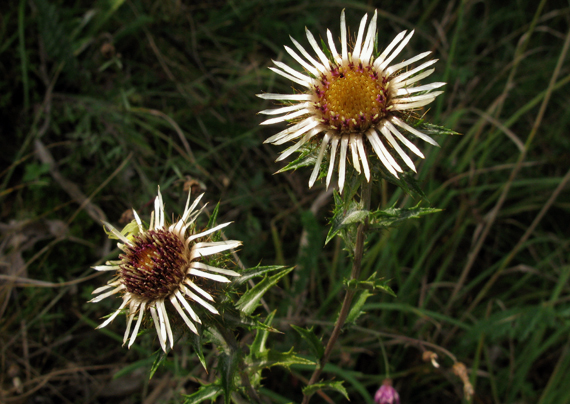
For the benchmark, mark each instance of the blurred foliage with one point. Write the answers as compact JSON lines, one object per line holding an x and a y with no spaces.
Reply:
{"x":100,"y":102}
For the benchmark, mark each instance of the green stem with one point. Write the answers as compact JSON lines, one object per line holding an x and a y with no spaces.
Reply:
{"x":345,"y":309}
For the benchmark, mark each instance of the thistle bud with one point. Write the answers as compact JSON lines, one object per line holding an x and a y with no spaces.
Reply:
{"x":387,"y":394}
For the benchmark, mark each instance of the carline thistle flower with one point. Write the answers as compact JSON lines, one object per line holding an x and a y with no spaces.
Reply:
{"x":164,"y":262}
{"x":353,"y":100}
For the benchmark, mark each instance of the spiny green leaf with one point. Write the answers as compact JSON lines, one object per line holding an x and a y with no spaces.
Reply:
{"x":308,"y":157}
{"x":345,"y":215}
{"x":213,"y":217}
{"x":327,"y":51}
{"x":250,"y":299}
{"x":129,"y":231}
{"x":196,"y":341}
{"x":408,"y":182}
{"x":390,"y":217}
{"x":247,"y":321}
{"x":258,"y":344}
{"x":431,"y":129}
{"x":227,"y":368}
{"x":261,"y":357}
{"x":213,"y":335}
{"x":256,"y":350}
{"x":249,"y":273}
{"x":331,"y":385}
{"x":315,"y":343}
{"x":209,"y":391}
{"x":158,"y":360}
{"x":271,"y":357}
{"x":355,"y":310}
{"x":372,"y":284}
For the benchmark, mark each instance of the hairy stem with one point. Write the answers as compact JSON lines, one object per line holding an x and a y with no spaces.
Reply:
{"x":345,"y":309}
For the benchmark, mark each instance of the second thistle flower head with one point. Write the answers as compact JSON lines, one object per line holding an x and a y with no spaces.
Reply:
{"x":165,"y":262}
{"x":354,"y":102}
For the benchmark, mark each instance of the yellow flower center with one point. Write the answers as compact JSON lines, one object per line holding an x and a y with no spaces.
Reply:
{"x":352,"y":99}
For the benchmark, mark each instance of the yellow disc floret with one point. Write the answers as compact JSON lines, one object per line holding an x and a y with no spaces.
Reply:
{"x":352,"y":99}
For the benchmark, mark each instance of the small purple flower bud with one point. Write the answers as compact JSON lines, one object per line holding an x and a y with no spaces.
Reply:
{"x":387,"y":394}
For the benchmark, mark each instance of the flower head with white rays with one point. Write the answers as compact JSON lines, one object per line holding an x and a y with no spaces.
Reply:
{"x":353,"y":102}
{"x":164,"y":269}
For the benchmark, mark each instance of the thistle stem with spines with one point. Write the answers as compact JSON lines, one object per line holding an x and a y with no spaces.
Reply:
{"x":349,"y":296}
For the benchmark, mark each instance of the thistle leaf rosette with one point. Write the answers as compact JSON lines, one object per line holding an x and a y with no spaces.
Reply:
{"x":165,"y":262}
{"x":353,"y":103}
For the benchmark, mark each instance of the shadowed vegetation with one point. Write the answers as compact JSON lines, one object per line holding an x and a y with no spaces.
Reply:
{"x":100,"y":102}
